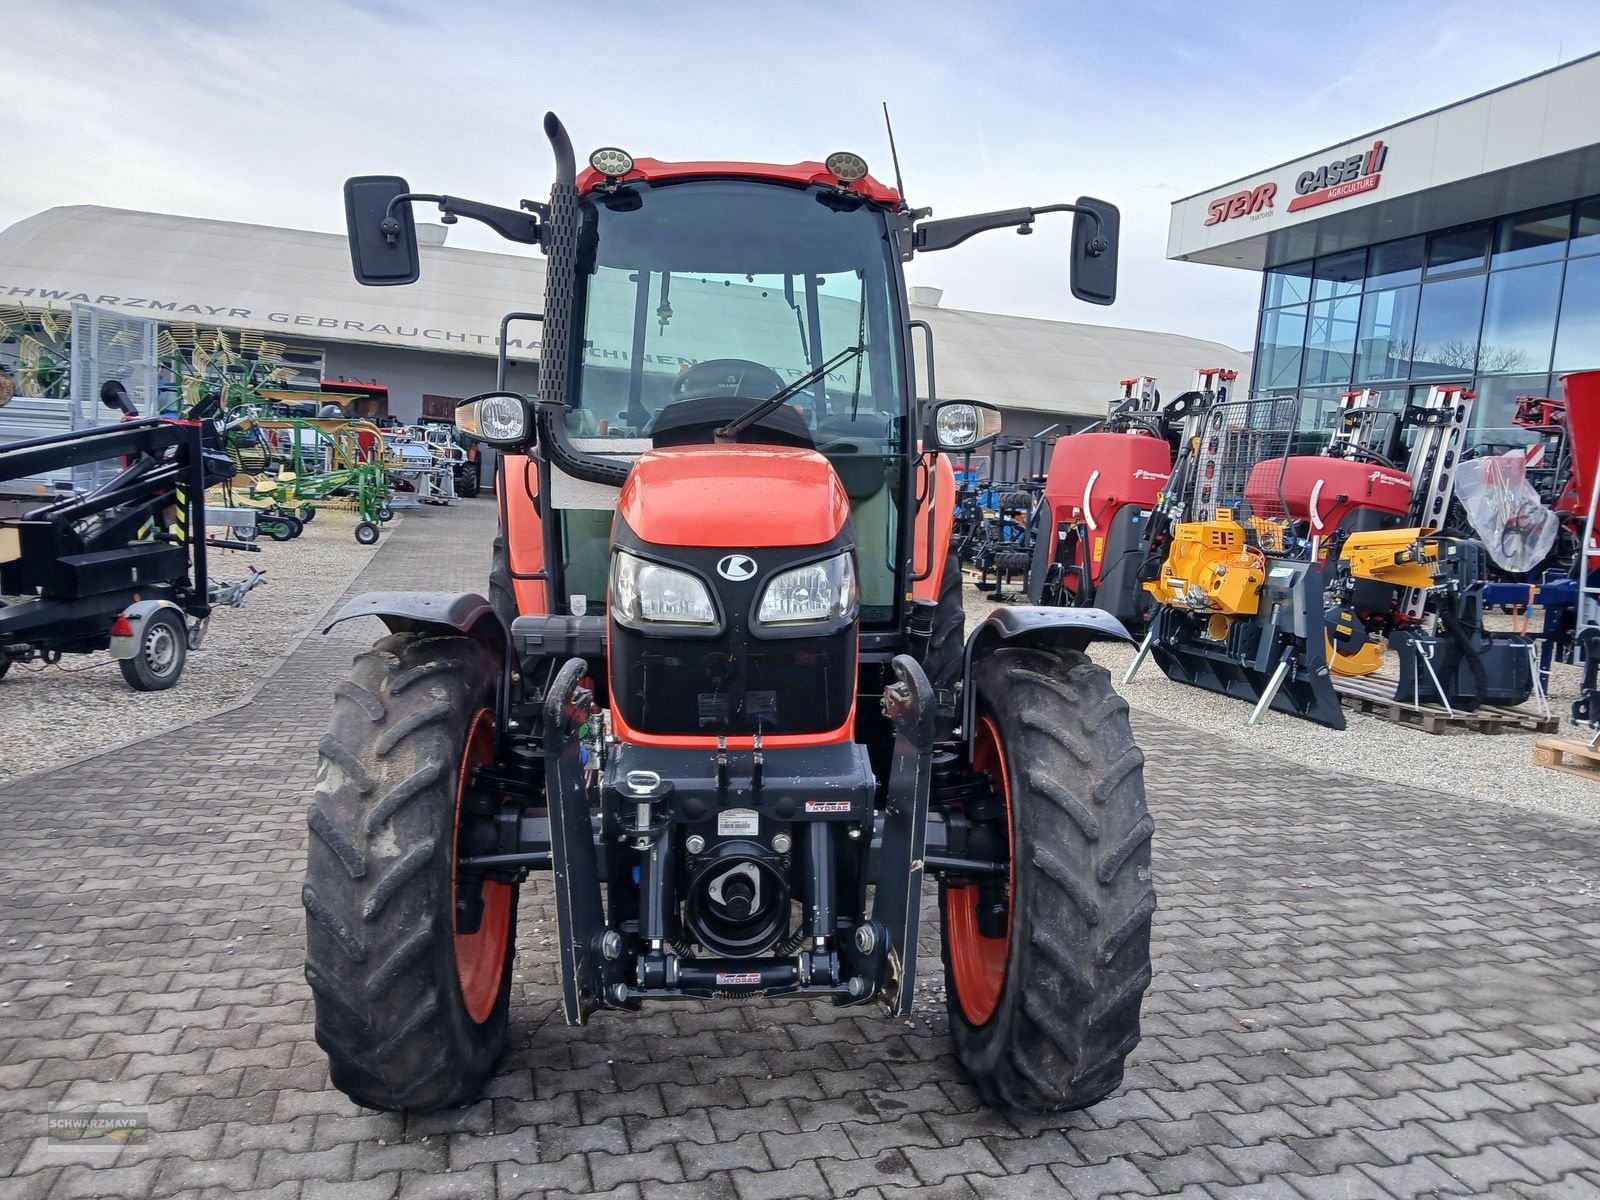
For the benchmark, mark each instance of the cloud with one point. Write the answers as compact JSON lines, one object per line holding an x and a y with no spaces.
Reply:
{"x":257,"y":112}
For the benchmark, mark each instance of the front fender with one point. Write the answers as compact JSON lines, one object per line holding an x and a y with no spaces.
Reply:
{"x":1032,"y":625}
{"x":437,"y":613}
{"x":422,"y":612}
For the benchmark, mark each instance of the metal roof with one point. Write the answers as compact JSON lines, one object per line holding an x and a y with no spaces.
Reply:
{"x":296,"y":285}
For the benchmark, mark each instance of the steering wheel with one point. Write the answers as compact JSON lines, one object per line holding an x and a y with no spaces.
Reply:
{"x":727,"y":377}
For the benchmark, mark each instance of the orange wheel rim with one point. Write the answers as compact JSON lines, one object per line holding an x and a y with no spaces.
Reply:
{"x":978,"y":963}
{"x":480,"y":956}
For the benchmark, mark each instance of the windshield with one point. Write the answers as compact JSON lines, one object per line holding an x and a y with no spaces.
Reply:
{"x":738,"y":289}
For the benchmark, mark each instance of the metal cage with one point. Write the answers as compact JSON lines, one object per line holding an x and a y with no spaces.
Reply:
{"x":1236,"y":437}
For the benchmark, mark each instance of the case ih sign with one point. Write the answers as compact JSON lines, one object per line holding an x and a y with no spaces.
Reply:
{"x":1345,"y":177}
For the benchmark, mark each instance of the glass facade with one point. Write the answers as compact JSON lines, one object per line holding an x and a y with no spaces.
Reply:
{"x":1507,"y":306}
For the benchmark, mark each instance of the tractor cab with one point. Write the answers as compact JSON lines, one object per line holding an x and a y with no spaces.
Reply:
{"x":701,"y":297}
{"x":721,"y":686}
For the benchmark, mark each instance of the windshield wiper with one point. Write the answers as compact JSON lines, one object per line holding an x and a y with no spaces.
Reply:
{"x":731,"y":431}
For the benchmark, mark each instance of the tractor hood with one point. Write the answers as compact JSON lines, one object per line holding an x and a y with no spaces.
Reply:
{"x":738,"y":496}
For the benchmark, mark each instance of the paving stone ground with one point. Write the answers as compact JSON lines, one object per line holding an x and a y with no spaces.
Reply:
{"x":1360,"y":991}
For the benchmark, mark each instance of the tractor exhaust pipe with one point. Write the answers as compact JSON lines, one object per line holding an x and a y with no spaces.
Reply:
{"x":561,"y":147}
{"x":561,"y":249}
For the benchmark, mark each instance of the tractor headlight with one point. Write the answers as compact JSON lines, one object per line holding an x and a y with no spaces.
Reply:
{"x":962,"y":424}
{"x":645,"y":593}
{"x":611,"y":162}
{"x":845,"y":166}
{"x":817,"y":592}
{"x":499,"y":418}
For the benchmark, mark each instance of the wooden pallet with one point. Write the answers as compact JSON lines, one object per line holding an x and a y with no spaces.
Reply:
{"x":1376,"y":695}
{"x":1553,"y":752}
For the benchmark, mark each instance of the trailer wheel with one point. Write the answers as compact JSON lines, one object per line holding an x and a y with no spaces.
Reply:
{"x":245,"y":533}
{"x":412,"y":1014}
{"x":1044,"y":1015}
{"x":163,"y":649}
{"x":366,"y":533}
{"x":308,"y":514}
{"x":385,"y":514}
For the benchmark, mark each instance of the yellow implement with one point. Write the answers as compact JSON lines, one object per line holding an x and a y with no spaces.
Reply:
{"x":1403,"y":558}
{"x":1211,"y":568}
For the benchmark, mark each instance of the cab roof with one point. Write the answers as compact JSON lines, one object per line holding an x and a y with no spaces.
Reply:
{"x":653,"y":170}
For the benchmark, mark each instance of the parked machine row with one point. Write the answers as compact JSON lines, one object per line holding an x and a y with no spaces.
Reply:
{"x":1265,"y":560}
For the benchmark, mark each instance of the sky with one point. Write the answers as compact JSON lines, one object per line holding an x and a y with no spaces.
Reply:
{"x":257,"y":110}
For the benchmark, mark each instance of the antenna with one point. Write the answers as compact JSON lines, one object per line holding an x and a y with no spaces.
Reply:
{"x":894,"y":154}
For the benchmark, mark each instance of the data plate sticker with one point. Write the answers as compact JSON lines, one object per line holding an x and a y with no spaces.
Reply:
{"x":738,"y":822}
{"x":827,"y":806}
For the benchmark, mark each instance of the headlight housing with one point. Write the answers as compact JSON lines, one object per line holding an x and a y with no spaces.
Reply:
{"x":645,"y":594}
{"x":499,"y":418}
{"x":960,"y":425}
{"x":817,"y":593}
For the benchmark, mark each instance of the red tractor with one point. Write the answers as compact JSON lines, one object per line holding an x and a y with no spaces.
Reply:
{"x":721,"y":688}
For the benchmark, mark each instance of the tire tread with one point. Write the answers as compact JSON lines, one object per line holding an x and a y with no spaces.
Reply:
{"x":1068,"y":1015}
{"x":380,"y":948}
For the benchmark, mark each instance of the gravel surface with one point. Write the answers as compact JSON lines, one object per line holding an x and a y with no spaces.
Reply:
{"x":1495,"y":767}
{"x":50,"y":715}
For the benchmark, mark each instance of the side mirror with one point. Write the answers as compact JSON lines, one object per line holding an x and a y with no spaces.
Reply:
{"x":960,"y":425}
{"x":1094,"y":251}
{"x":383,"y":234}
{"x":502,"y":419}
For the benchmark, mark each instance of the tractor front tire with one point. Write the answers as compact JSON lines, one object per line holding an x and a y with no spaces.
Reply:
{"x":411,"y":1013}
{"x":1044,"y":1016}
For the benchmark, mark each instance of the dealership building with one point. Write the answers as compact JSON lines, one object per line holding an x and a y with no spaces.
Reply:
{"x":1461,"y":246}
{"x":413,"y":352}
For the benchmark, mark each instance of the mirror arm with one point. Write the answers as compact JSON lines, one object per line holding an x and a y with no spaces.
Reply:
{"x":508,"y":223}
{"x":1097,"y":244}
{"x":941,"y":235}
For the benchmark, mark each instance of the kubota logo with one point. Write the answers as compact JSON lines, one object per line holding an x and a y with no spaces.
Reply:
{"x":736,"y":567}
{"x":1390,"y":480}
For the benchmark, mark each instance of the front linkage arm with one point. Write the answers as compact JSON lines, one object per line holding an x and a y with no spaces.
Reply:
{"x":908,"y":702}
